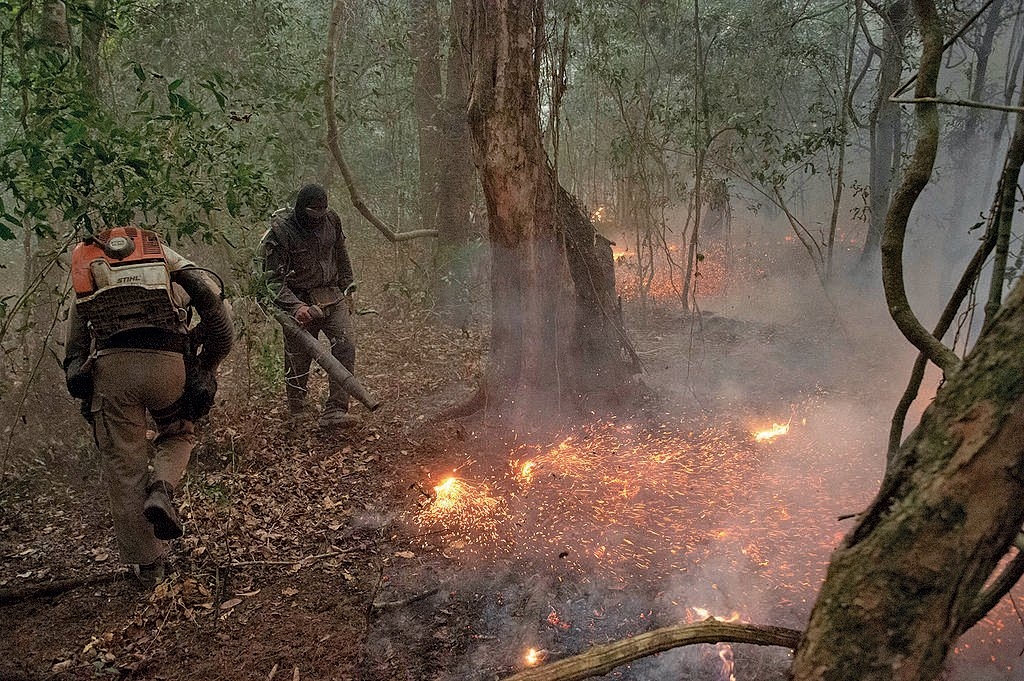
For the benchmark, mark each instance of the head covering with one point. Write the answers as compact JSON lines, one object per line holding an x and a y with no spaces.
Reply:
{"x":309,"y":195}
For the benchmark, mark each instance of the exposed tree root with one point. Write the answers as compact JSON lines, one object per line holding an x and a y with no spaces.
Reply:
{"x":467,"y":407}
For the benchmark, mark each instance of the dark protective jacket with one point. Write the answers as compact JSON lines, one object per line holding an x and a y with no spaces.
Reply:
{"x":298,"y":260}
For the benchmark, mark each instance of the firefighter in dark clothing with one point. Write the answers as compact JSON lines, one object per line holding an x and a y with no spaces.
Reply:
{"x":309,"y":272}
{"x":130,"y":352}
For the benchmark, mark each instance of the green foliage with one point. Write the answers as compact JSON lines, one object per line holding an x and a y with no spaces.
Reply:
{"x":761,"y":96}
{"x":174,"y":159}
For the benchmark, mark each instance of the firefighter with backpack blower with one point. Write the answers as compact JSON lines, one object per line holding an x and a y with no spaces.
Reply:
{"x":134,"y":349}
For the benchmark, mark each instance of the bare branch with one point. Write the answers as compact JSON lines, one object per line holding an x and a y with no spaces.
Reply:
{"x":333,"y":136}
{"x":949,"y":43}
{"x":604,"y":658}
{"x":958,"y":102}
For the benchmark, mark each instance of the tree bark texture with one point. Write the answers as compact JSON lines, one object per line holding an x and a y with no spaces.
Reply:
{"x":454,"y":251}
{"x":54,"y":30}
{"x":902,"y":587}
{"x":1006,"y":196}
{"x":533,"y":363}
{"x":94,"y":23}
{"x":426,"y":89}
{"x":905,"y":583}
{"x":602,"y":659}
{"x":915,"y":178}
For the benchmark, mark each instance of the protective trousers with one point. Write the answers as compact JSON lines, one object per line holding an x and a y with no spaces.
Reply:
{"x":128,"y":383}
{"x":337,"y":326}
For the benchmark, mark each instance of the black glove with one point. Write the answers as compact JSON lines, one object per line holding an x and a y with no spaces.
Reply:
{"x":200,"y":391}
{"x":79,"y":382}
{"x":86,"y":409}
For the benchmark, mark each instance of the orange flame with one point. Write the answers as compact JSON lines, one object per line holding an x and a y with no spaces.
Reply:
{"x":526,"y":472}
{"x":728,"y":661}
{"x":776,"y":430}
{"x":459,"y":499}
{"x":447,"y":495}
{"x":534,"y":657}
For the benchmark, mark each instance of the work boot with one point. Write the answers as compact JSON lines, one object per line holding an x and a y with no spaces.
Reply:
{"x":159,"y":510}
{"x":300,"y":415}
{"x":335,"y":417}
{"x":151,"y":574}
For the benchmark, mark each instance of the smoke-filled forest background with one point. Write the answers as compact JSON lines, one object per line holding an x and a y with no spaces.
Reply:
{"x":738,"y":159}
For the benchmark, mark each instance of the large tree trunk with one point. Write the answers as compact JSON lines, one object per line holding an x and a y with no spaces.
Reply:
{"x":902,"y":587}
{"x":534,"y":365}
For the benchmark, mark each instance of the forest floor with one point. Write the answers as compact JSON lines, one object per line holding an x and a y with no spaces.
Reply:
{"x":347,"y":555}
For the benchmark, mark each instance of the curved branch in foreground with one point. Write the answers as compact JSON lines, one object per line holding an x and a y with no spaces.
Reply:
{"x":332,"y":137}
{"x":916,"y":176}
{"x":604,"y":658}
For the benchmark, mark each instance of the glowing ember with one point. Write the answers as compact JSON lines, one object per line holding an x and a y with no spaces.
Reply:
{"x":776,"y":430}
{"x":701,"y":614}
{"x":525,"y":471}
{"x":638,"y":502}
{"x":457,"y":501}
{"x":728,"y":662}
{"x":534,"y":657}
{"x":556,"y":622}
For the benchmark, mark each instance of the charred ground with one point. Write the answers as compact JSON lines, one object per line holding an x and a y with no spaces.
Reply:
{"x":306,"y":554}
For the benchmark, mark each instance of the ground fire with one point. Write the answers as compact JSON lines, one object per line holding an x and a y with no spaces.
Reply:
{"x":673,"y":513}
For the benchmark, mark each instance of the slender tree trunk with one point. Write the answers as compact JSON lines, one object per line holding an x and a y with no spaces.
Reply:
{"x":1015,"y":53}
{"x":702,"y":140}
{"x":966,"y":143}
{"x":93,"y":30}
{"x":1005,"y":201}
{"x":426,"y":87}
{"x":837,"y":194}
{"x":457,"y":183}
{"x":885,"y":126}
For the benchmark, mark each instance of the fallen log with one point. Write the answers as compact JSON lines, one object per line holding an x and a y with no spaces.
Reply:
{"x":35,"y":591}
{"x":601,"y":659}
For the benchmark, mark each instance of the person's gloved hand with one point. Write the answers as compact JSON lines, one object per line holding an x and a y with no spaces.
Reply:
{"x":200,"y":392}
{"x":79,"y":381}
{"x":85,"y":409}
{"x":304,"y":315}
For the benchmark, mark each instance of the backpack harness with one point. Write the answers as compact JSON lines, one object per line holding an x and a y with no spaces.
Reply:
{"x":122,"y":282}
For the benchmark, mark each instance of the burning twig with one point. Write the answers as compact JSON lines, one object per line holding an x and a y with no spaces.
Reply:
{"x":767,"y":434}
{"x":602,"y":659}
